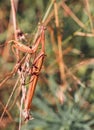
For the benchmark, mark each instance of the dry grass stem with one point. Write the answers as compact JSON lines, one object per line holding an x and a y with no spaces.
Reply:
{"x":60,"y":54}
{"x":82,"y":34}
{"x":83,"y":63}
{"x":5,"y":108}
{"x":87,"y":6}
{"x":74,"y":17}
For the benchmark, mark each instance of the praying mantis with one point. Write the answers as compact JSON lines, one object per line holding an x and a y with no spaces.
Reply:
{"x":27,"y":65}
{"x":23,"y":68}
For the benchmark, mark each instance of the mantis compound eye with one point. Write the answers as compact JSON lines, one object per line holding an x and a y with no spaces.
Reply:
{"x":20,"y":35}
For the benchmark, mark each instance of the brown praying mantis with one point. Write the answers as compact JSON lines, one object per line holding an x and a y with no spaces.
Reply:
{"x":24,"y":68}
{"x":28,"y":66}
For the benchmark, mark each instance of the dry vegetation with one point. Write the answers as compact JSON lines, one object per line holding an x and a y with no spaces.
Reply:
{"x":47,"y":65}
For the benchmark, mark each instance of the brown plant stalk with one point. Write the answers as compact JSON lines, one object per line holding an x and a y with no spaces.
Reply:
{"x":60,"y":54}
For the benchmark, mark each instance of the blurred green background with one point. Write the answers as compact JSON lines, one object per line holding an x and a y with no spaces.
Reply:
{"x":76,"y":111}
